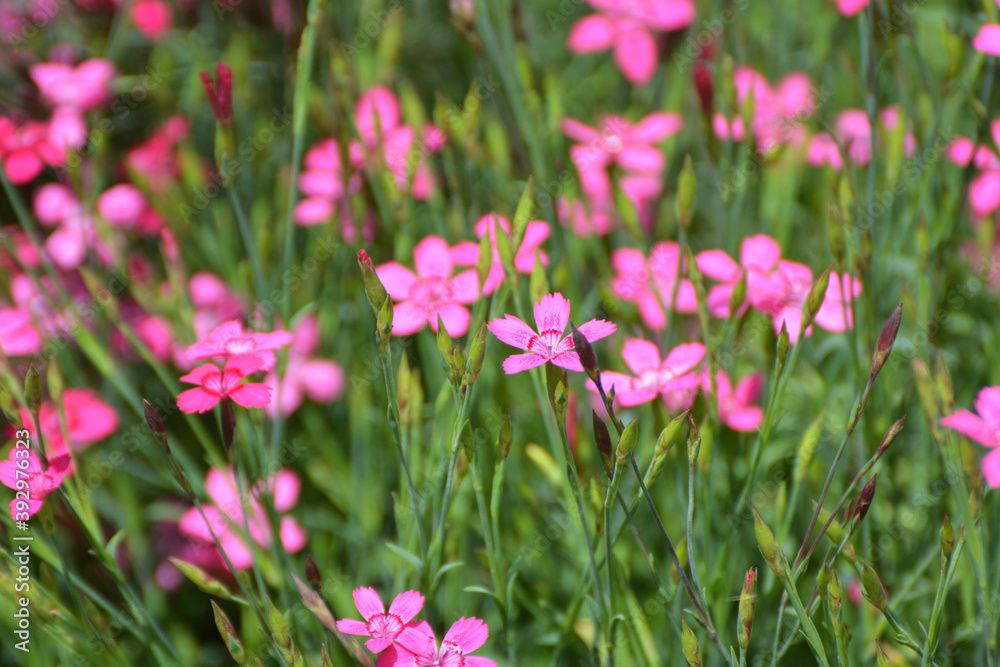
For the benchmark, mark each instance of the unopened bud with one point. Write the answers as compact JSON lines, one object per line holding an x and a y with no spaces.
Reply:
{"x":690,"y":645}
{"x":33,"y":390}
{"x":822,"y":581}
{"x":947,"y":537}
{"x":873,"y":590}
{"x":817,"y":294}
{"x":748,"y":600}
{"x":279,"y":628}
{"x":835,"y":593}
{"x":890,"y":437}
{"x":807,"y":448}
{"x":445,"y":345}
{"x":603,"y":440}
{"x":477,"y":352}
{"x":485,"y":262}
{"x":835,"y":533}
{"x":881,"y":657}
{"x":539,"y":282}
{"x":586,"y":353}
{"x":886,"y":339}
{"x":374,"y":288}
{"x":865,"y":498}
{"x":686,"y":187}
{"x":783,"y":344}
{"x":694,"y":443}
{"x":383,"y":324}
{"x":627,"y":441}
{"x":506,"y":435}
{"x":669,"y":435}
{"x":229,"y":635}
{"x":768,"y":546}
{"x":739,"y":295}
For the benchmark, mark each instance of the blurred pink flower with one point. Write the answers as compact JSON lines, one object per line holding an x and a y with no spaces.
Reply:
{"x":585,"y":219}
{"x":736,"y":409}
{"x":152,"y":18}
{"x":983,"y":428}
{"x":652,"y":376}
{"x":26,"y":149}
{"x":784,"y":296}
{"x":618,"y":141}
{"x":648,"y":283}
{"x":18,"y":336}
{"x":853,"y":132}
{"x":226,"y":515}
{"x":57,"y":206}
{"x":80,"y":88}
{"x":431,"y":291}
{"x":216,"y":385}
{"x":23,"y":465}
{"x":851,"y":8}
{"x":987,"y":40}
{"x":231,"y":339}
{"x":551,"y":318}
{"x":382,"y":627}
{"x":155,"y":161}
{"x":214,"y":303}
{"x":778,"y":112}
{"x":759,"y":255}
{"x":627,"y":26}
{"x":418,"y":647}
{"x":466,"y":253}
{"x":322,"y":380}
{"x":88,"y":419}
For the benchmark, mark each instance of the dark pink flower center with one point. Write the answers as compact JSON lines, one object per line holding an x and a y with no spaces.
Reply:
{"x":385,"y":625}
{"x":547,"y":342}
{"x":449,"y":655}
{"x":431,"y":292}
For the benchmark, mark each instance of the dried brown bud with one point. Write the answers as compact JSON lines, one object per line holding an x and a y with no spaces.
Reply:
{"x":586,"y":353}
{"x":603,"y":440}
{"x":312,"y":573}
{"x":865,"y":498}
{"x":886,"y":339}
{"x":890,"y":437}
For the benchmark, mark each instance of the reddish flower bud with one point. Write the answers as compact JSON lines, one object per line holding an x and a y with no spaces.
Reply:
{"x":220,"y":96}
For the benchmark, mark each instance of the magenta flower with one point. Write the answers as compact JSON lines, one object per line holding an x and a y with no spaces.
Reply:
{"x":736,"y":409}
{"x":18,"y":336}
{"x":785,"y":295}
{"x":216,"y":385}
{"x":618,"y":141}
{"x":987,"y":40}
{"x":650,"y":283}
{"x":418,"y":647}
{"x":214,"y":303}
{"x":653,"y":377}
{"x":431,"y":291}
{"x":230,"y":339}
{"x":583,"y":218}
{"x":26,"y":149}
{"x":152,"y":18}
{"x":322,"y":181}
{"x":220,"y":94}
{"x":551,"y":318}
{"x":853,"y":132}
{"x":226,"y":515}
{"x":983,"y":428}
{"x":24,"y":467}
{"x":627,"y":26}
{"x":851,"y":8}
{"x":80,"y":88}
{"x":759,"y":255}
{"x":466,"y":253}
{"x":322,"y":380}
{"x":778,"y":111}
{"x":88,"y":419}
{"x":383,"y":627}
{"x":156,"y":160}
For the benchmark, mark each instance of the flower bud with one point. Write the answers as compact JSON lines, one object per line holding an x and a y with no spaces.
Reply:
{"x":586,"y":353}
{"x":682,"y":557}
{"x":817,"y":294}
{"x":444,"y":344}
{"x":947,"y":537}
{"x":873,"y":590}
{"x":603,"y":440}
{"x":886,"y":339}
{"x":686,"y":187}
{"x":881,"y":657}
{"x":279,"y":628}
{"x":669,"y":435}
{"x":835,"y":533}
{"x":822,"y":581}
{"x":312,"y":573}
{"x":373,"y":286}
{"x":539,"y":282}
{"x":220,"y":95}
{"x":807,"y":448}
{"x":201,"y":579}
{"x":783,"y":344}
{"x":690,"y":645}
{"x":748,"y":600}
{"x":768,"y":546}
{"x":627,"y":441}
{"x":694,"y":443}
{"x":835,"y":593}
{"x":506,"y":436}
{"x":477,"y":352}
{"x":739,"y":295}
{"x":229,"y":635}
{"x":33,"y":390}
{"x":484,"y":263}
{"x":890,"y":437}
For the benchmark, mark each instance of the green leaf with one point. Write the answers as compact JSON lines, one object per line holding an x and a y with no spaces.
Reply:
{"x":485,"y":591}
{"x":408,"y":556}
{"x":202,"y":579}
{"x":444,"y":569}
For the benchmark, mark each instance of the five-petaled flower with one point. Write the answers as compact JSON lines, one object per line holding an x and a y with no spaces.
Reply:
{"x":23,"y":471}
{"x":549,"y":344}
{"x":383,"y":627}
{"x":216,"y":385}
{"x":229,"y":340}
{"x":984,"y":428}
{"x":653,"y":377}
{"x":418,"y":647}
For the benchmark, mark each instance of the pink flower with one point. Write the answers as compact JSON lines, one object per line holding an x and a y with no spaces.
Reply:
{"x":25,"y":150}
{"x":122,"y":205}
{"x":216,"y":385}
{"x":383,"y":627}
{"x":584,"y":219}
{"x":987,"y":40}
{"x":736,"y":409}
{"x":23,"y":471}
{"x":88,"y":419}
{"x":650,"y":283}
{"x":418,"y":647}
{"x":152,"y":18}
{"x":853,"y":132}
{"x":983,"y":428}
{"x":551,"y":318}
{"x":57,"y":206}
{"x":653,"y":377}
{"x":759,"y":255}
{"x":321,"y":380}
{"x":785,"y":295}
{"x":80,"y":88}
{"x":626,"y":27}
{"x":778,"y":112}
{"x":230,"y":339}
{"x":618,"y":141}
{"x":851,"y":8}
{"x":220,"y":93}
{"x":466,"y":253}
{"x":226,"y":515}
{"x":18,"y":336}
{"x":431,"y":291}
{"x":155,"y":161}
{"x":214,"y":303}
